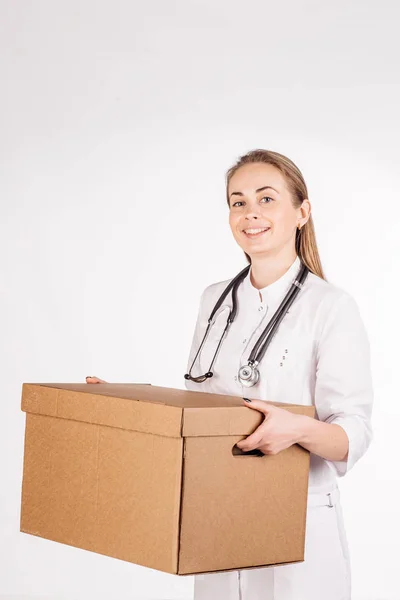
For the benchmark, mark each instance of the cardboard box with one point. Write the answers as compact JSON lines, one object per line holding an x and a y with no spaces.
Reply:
{"x":148,"y":475}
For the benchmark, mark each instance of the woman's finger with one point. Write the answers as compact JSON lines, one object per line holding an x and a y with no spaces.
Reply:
{"x":252,"y":441}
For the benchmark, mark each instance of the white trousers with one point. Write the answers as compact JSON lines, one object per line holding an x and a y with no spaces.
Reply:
{"x":324,"y":574}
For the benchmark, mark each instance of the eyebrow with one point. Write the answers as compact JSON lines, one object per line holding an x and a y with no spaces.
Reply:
{"x":266,"y":187}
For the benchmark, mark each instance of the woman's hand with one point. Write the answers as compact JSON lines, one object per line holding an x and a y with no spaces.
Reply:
{"x":279,"y":430}
{"x":93,"y":379}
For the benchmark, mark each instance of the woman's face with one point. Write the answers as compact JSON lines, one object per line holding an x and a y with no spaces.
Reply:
{"x":260,"y":200}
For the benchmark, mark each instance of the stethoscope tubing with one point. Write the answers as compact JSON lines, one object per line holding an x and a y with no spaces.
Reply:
{"x":260,"y":347}
{"x":269,"y":332}
{"x":233,"y":285}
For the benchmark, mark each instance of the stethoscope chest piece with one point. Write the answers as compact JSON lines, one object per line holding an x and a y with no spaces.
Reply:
{"x":249,"y":375}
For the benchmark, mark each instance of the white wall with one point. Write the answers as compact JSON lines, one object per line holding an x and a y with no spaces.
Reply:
{"x":118,"y":122}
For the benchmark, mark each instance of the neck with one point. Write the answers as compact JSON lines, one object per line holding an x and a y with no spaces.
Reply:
{"x":265,"y":269}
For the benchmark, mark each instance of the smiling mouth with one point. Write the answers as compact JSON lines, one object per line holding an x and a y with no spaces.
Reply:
{"x":255,"y":232}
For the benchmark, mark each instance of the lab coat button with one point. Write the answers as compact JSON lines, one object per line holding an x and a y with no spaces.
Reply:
{"x":261,"y":307}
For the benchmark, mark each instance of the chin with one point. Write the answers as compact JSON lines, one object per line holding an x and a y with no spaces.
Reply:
{"x":252,"y":252}
{"x":267,"y":248}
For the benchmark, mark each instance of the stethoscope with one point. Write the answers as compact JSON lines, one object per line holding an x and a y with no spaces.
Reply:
{"x":249,"y":374}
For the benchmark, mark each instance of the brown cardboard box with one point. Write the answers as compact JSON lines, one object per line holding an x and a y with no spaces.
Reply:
{"x":147,"y":474}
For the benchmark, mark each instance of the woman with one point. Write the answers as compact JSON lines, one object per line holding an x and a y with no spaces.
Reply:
{"x":318,"y":356}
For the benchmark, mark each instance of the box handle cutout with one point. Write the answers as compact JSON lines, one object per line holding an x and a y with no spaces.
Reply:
{"x":238,"y":452}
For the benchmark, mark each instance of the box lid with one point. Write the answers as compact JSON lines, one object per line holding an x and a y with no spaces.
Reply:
{"x":146,"y":408}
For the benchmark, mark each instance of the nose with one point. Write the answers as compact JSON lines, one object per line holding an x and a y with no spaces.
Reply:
{"x":252,"y":212}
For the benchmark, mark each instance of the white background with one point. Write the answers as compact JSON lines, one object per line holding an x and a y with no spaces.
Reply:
{"x":118,"y":122}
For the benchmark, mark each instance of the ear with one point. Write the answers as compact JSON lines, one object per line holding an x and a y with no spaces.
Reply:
{"x":305,"y":210}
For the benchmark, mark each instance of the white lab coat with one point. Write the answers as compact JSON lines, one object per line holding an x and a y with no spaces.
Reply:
{"x":319,"y":356}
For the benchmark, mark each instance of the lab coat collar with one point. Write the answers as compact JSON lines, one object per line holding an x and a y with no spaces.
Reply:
{"x":274,"y":292}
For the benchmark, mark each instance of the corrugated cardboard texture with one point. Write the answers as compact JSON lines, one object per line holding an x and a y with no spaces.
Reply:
{"x":94,"y":404}
{"x":103,"y":471}
{"x":107,"y":490}
{"x":147,"y":408}
{"x":241,"y":511}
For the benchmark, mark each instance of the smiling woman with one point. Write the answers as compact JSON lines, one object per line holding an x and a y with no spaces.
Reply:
{"x":319,"y":355}
{"x":261,"y":223}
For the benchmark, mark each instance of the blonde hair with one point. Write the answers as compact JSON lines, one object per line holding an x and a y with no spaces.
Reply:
{"x":306,"y":243}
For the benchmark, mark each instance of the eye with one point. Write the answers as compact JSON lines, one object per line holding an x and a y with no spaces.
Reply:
{"x":241,"y":202}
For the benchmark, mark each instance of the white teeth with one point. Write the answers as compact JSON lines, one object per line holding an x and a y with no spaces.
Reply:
{"x":255,"y":230}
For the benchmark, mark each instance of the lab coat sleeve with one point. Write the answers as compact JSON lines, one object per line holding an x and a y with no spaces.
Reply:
{"x":343,"y":388}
